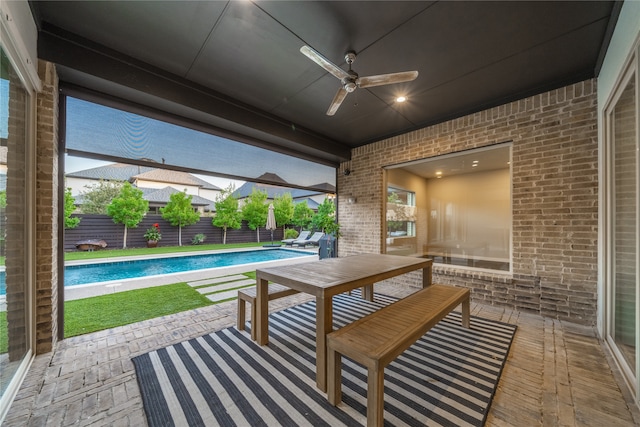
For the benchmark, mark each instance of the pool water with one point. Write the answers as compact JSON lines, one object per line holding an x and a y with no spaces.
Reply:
{"x":118,"y":270}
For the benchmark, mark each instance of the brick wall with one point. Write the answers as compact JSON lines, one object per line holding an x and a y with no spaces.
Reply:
{"x":47,"y":209}
{"x":554,"y":202}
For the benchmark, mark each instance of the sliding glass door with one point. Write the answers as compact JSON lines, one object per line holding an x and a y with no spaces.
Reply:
{"x":622,"y":219}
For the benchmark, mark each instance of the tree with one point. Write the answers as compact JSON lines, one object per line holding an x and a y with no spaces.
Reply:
{"x":3,"y":199}
{"x":227,"y":214}
{"x":179,"y":212}
{"x":255,"y":210}
{"x":69,"y":207}
{"x":98,"y":196}
{"x":325,"y":219}
{"x":283,"y":209}
{"x":128,"y":208}
{"x":302,"y":215}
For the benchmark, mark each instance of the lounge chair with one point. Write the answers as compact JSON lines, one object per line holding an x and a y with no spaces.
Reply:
{"x":304,"y":235}
{"x":313,"y":240}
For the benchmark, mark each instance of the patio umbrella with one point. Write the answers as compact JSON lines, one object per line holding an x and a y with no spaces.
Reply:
{"x":271,"y":222}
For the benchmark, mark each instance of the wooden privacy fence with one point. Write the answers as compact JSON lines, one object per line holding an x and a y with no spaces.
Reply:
{"x":102,"y":227}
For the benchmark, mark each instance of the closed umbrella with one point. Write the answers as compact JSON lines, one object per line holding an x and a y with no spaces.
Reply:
{"x":271,"y":222}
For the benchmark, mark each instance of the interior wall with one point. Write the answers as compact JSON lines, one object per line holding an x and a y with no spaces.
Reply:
{"x":473,"y":199}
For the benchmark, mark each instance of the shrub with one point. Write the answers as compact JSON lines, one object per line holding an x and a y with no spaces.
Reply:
{"x":198,"y":238}
{"x":290,"y":233}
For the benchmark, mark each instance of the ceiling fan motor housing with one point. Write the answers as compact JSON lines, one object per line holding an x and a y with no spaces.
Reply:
{"x":349,"y":83}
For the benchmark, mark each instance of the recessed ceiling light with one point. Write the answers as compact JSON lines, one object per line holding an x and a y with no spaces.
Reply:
{"x":401,"y":99}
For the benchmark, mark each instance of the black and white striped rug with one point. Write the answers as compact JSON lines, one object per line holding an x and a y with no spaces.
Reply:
{"x":447,"y":378}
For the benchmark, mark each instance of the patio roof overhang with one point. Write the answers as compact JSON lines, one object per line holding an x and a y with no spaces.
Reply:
{"x":235,"y":67}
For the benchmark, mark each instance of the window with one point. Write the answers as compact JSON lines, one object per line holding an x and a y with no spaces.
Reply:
{"x":455,"y":209}
{"x":401,"y":220}
{"x":15,"y":346}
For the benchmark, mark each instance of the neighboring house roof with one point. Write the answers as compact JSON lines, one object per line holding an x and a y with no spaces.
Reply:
{"x":275,"y":190}
{"x":272,"y":191}
{"x":310,"y":203}
{"x":125,"y":172}
{"x":271,"y":177}
{"x":114,"y":172}
{"x":162,"y":195}
{"x":175,"y":177}
{"x":326,"y":187}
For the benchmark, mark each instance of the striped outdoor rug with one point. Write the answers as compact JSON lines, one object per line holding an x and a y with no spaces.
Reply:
{"x":447,"y":378}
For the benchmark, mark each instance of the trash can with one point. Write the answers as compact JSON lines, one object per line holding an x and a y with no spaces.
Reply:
{"x":327,"y":247}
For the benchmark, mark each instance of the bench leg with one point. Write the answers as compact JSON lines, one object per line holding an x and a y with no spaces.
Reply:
{"x":241,"y":314}
{"x":334,"y":377}
{"x":375,"y":397}
{"x":254,"y":330}
{"x":466,"y":313}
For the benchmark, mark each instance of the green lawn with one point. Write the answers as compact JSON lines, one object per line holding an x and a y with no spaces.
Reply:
{"x":122,"y":308}
{"x":4,"y":333}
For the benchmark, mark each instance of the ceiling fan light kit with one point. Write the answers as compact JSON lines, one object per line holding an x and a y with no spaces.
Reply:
{"x":350,"y":80}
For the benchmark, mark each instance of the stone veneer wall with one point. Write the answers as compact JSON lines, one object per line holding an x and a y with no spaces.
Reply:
{"x":47,"y":210}
{"x":554,"y":206}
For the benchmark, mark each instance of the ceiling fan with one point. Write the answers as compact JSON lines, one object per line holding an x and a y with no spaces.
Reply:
{"x":350,"y":79}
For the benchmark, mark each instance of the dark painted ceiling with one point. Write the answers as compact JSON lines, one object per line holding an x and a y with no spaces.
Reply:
{"x":236,"y":66}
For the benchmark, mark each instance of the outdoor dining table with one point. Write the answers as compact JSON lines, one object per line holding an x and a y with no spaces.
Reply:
{"x":326,"y":278}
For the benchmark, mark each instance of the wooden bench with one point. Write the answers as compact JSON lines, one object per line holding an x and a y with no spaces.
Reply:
{"x":377,"y":339}
{"x":249,"y":295}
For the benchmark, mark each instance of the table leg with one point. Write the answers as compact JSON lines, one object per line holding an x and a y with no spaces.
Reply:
{"x":427,"y":273}
{"x":324,"y":325}
{"x":261,"y":321}
{"x":368,"y":292}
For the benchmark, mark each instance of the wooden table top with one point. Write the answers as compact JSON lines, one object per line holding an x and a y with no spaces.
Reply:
{"x":332,"y":276}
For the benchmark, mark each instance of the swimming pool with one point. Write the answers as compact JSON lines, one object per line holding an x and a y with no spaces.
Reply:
{"x":119,"y":270}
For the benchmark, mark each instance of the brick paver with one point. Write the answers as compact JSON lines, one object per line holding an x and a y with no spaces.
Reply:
{"x":90,"y":380}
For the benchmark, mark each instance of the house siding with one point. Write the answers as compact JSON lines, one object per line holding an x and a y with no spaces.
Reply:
{"x":554,"y":199}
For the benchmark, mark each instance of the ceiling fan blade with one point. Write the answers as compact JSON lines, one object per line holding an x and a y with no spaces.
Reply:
{"x":324,"y":62}
{"x":337,"y":100}
{"x":386,"y":79}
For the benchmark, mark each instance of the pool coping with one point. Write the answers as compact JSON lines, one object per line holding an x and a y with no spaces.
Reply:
{"x":178,"y":254}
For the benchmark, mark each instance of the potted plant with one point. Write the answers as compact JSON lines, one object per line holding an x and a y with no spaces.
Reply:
{"x":153,"y":235}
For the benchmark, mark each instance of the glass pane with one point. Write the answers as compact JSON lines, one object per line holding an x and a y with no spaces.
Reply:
{"x":13,"y":296}
{"x":625,"y":195}
{"x":455,"y":209}
{"x":95,"y":129}
{"x":401,"y":219}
